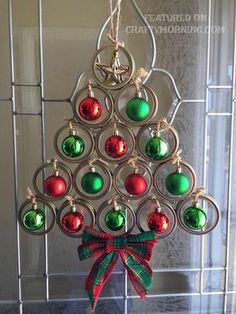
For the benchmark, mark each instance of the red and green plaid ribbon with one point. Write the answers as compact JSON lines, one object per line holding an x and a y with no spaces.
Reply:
{"x":134,"y":250}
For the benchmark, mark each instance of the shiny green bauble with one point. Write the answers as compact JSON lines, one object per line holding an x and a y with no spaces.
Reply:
{"x":177,"y":183}
{"x":73,"y":146}
{"x":137,"y":109}
{"x":194,"y":218}
{"x":92,"y":182}
{"x":157,"y":148}
{"x":115,"y":219}
{"x":33,"y":219}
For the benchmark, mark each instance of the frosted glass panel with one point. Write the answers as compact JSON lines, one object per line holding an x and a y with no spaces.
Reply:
{"x":190,"y":272}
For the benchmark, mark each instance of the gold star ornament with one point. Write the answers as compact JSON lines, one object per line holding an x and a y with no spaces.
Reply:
{"x":113,"y":75}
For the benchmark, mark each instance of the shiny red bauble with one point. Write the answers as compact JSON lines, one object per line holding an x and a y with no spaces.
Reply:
{"x":135,"y":184}
{"x":116,"y":146}
{"x":90,"y":108}
{"x":158,"y":222}
{"x":72,"y":222}
{"x":54,"y":186}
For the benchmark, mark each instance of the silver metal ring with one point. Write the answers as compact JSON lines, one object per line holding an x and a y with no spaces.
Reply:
{"x":171,"y":130}
{"x":108,"y":205}
{"x":109,"y":108}
{"x":181,"y":206}
{"x":107,"y":180}
{"x":49,"y":205}
{"x":83,"y":155}
{"x":165,"y":207}
{"x":114,"y":83}
{"x":83,"y":204}
{"x":153,"y":103}
{"x":61,"y":167}
{"x":140,"y":165}
{"x":191,"y":174}
{"x":120,"y":127}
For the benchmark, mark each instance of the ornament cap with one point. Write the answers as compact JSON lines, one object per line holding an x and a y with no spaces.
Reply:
{"x":195,"y":204}
{"x":138,"y":94}
{"x":72,"y":132}
{"x":93,"y":169}
{"x":116,"y":206}
{"x":34,"y":205}
{"x":91,"y":94}
{"x":71,"y":129}
{"x":73,"y":208}
{"x":179,"y":169}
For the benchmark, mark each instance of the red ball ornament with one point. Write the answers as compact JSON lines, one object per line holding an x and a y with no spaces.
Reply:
{"x":135,"y":184}
{"x":72,"y":222}
{"x":116,"y":146}
{"x":54,"y":186}
{"x":90,"y":108}
{"x":158,"y":222}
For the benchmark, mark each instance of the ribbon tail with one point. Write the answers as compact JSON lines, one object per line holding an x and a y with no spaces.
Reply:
{"x":99,"y":274}
{"x":139,"y":272}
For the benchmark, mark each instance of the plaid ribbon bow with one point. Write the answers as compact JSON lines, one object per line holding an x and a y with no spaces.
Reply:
{"x":134,"y":250}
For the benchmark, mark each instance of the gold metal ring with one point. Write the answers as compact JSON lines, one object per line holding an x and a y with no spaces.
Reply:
{"x":84,"y":156}
{"x":171,"y":130}
{"x":152,"y":99}
{"x":182,"y":206}
{"x":109,"y":107}
{"x":140,"y":165}
{"x":105,"y":131}
{"x":84,"y":205}
{"x":62,"y":167}
{"x":114,"y":75}
{"x":108,"y":180}
{"x":49,"y":206}
{"x":108,"y":205}
{"x":191,"y":174}
{"x":165,"y":208}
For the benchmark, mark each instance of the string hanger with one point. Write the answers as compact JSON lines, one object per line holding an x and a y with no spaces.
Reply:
{"x":90,"y":90}
{"x":197,"y":194}
{"x":71,"y":200}
{"x":92,"y":161}
{"x":30,"y":194}
{"x":177,"y":158}
{"x":137,"y":79}
{"x":115,"y":18}
{"x":132,"y":162}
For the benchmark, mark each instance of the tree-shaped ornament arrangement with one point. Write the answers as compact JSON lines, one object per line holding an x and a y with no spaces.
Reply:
{"x":129,"y":172}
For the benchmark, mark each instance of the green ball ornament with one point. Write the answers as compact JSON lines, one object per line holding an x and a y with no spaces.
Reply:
{"x":157,"y":148}
{"x":73,"y":146}
{"x":177,"y":183}
{"x":115,"y":220}
{"x":33,"y":219}
{"x":92,"y":182}
{"x":194,"y":218}
{"x":137,"y":109}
